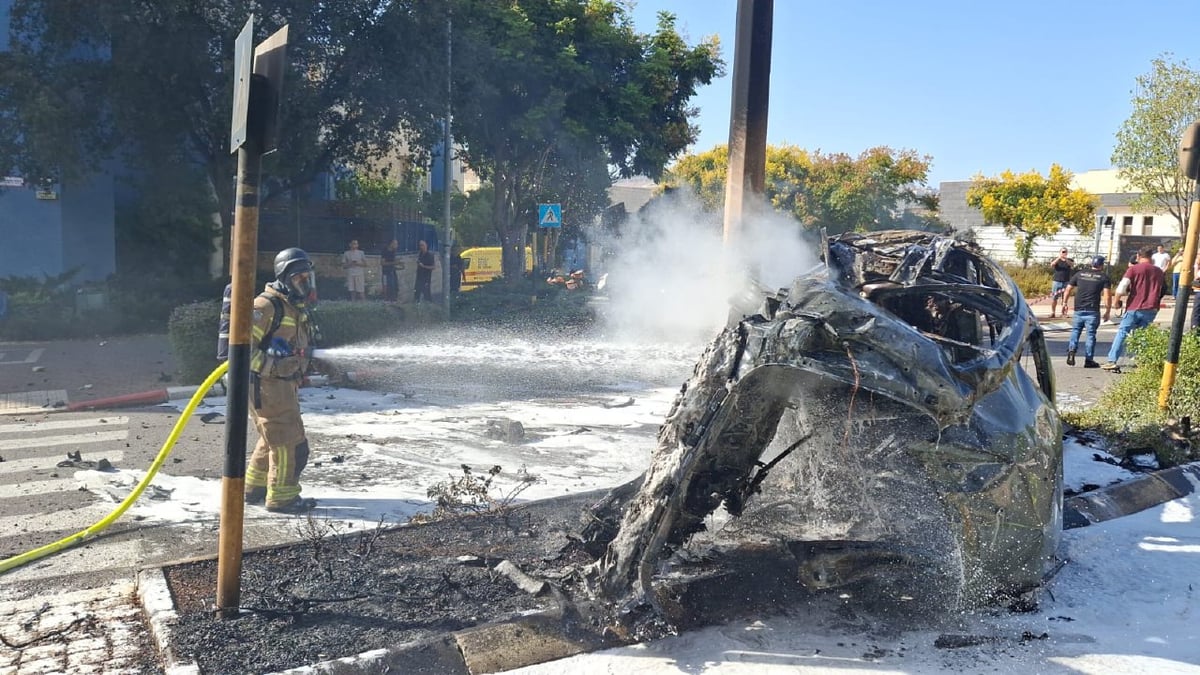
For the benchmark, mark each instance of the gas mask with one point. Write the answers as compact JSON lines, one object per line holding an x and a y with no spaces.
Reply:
{"x":302,"y":285}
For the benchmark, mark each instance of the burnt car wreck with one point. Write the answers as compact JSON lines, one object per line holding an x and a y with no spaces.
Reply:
{"x":886,"y":422}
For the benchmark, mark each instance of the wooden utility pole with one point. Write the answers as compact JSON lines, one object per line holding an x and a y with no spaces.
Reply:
{"x":257,"y":94}
{"x":748,"y":113}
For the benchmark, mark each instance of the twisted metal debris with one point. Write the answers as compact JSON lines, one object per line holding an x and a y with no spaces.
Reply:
{"x":888,"y":420}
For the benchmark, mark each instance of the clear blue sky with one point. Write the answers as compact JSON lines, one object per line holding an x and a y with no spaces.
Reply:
{"x":980,"y":87}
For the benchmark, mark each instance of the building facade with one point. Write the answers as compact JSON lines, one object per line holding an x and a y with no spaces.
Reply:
{"x":1121,"y":227}
{"x":47,"y":230}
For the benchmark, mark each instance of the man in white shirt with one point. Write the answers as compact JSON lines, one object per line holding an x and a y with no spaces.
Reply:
{"x":354,"y":261}
{"x":1161,"y":259}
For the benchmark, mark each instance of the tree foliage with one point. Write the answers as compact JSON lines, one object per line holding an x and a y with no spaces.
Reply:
{"x":558,"y":90}
{"x":1165,"y":101}
{"x":1031,"y":207}
{"x":834,"y":191}
{"x":149,"y":83}
{"x":547,"y":94}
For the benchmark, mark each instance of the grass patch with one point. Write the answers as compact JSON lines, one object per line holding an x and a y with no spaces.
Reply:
{"x":1128,"y":412}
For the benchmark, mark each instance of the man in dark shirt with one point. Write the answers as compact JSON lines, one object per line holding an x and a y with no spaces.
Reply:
{"x":425,"y":264}
{"x":1062,"y":267}
{"x":387,"y":260}
{"x":1089,"y":285}
{"x":1143,"y":283}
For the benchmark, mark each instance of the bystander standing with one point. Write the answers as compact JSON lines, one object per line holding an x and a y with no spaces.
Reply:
{"x":354,"y":261}
{"x":1061,"y":268}
{"x":1091,"y":285}
{"x":426,"y":261}
{"x":1195,"y":323}
{"x":1143,"y":286}
{"x":1176,"y":270}
{"x":387,"y":261}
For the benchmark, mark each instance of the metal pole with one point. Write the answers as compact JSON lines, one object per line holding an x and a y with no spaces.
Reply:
{"x":1183,"y":298}
{"x":1189,"y":166}
{"x":447,"y":175}
{"x":748,"y":114}
{"x":233,"y":480}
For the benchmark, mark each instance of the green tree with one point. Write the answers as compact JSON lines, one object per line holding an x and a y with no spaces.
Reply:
{"x":379,"y":190}
{"x":1165,"y":101}
{"x":835,"y":191}
{"x":552,"y":89}
{"x":1031,"y":207}
{"x":472,"y":213}
{"x":151,"y":82}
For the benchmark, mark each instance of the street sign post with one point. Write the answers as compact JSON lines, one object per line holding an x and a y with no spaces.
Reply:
{"x":549,"y":215}
{"x":256,"y":97}
{"x":242,"y":70}
{"x":550,"y":219}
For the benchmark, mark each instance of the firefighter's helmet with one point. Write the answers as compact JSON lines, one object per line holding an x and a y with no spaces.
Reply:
{"x":294,"y":271}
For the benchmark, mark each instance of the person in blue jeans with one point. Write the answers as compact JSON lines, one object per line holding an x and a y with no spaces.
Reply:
{"x":1061,"y":268}
{"x":1090,"y":285}
{"x":1143,"y":283}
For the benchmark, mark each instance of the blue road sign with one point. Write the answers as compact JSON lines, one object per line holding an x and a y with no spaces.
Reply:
{"x":549,"y":215}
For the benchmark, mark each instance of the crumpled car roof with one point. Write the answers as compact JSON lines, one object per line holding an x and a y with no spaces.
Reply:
{"x":877,"y":405}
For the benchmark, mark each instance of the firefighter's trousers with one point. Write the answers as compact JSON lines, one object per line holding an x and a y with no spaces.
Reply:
{"x":282,"y":449}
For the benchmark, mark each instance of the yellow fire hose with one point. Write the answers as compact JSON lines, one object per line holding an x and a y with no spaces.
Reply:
{"x":35,"y":554}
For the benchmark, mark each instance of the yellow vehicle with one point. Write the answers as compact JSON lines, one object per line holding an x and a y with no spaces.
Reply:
{"x":481,"y":265}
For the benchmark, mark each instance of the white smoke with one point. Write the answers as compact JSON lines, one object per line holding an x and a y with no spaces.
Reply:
{"x":670,"y":275}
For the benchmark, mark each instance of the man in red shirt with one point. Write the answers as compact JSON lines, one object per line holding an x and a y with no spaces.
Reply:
{"x":1143,"y":284}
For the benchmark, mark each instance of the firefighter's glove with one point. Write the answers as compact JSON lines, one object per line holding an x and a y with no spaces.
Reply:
{"x":279,"y":348}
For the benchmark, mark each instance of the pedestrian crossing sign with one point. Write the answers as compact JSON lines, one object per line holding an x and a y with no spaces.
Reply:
{"x":549,"y":215}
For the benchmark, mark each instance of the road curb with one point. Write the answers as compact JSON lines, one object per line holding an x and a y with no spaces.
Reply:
{"x":1131,"y":496}
{"x":490,"y":648}
{"x":159,"y":607}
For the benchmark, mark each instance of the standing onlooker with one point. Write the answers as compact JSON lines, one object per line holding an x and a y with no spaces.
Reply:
{"x":354,"y":262}
{"x":1092,"y":285}
{"x":1062,"y":267}
{"x":391,"y":284}
{"x":1176,"y":270}
{"x":426,"y":261}
{"x":1161,"y":259}
{"x":1195,"y":322}
{"x":458,"y":272}
{"x":1143,"y":284}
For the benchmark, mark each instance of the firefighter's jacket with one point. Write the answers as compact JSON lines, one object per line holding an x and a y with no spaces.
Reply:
{"x":294,"y":327}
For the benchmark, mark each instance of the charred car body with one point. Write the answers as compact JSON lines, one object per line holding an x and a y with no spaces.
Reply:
{"x":889,"y":417}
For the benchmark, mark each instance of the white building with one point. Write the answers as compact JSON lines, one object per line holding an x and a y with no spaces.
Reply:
{"x":1122,"y":229}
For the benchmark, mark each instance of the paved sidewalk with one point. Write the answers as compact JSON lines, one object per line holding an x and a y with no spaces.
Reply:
{"x":99,"y":630}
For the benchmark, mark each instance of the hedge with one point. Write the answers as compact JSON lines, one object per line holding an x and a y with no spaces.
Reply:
{"x":192,"y":330}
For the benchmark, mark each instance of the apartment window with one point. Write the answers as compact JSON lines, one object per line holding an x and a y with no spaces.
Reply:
{"x":1147,"y":225}
{"x":1127,"y":225}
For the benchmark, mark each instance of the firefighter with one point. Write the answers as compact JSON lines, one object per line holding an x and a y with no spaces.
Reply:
{"x":281,"y":338}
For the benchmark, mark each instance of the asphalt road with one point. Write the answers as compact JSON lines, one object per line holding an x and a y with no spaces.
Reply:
{"x":39,"y":503}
